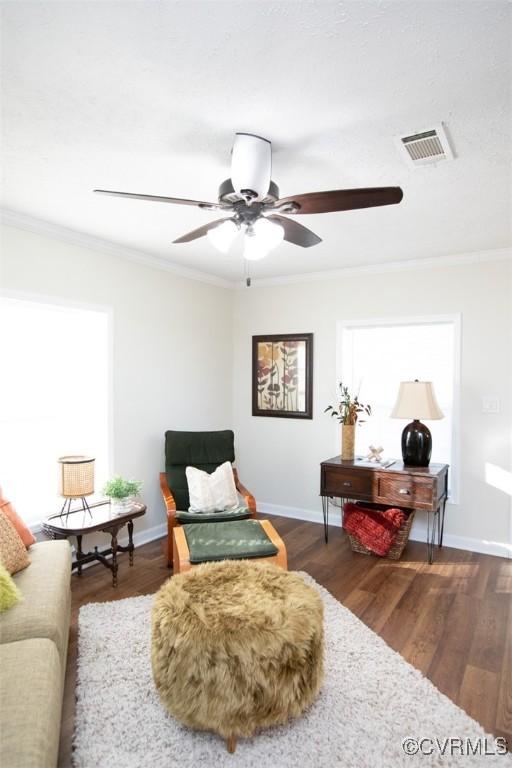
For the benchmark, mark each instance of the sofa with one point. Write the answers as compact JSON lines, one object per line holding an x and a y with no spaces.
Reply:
{"x":33,"y":651}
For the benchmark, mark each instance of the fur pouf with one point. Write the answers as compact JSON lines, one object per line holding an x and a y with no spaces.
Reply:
{"x":237,"y":646}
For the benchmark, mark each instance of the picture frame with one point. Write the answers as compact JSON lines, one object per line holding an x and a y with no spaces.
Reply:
{"x":282,"y":375}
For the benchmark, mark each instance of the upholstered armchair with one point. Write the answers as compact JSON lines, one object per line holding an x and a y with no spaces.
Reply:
{"x":206,"y":451}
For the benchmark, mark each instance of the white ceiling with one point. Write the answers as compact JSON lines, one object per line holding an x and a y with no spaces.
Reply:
{"x":146,"y":97}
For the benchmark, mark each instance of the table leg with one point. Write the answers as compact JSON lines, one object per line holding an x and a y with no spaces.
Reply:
{"x":79,"y":553}
{"x":114,"y":557}
{"x":325,"y":512}
{"x":130,"y":541}
{"x":441,"y":517}
{"x":428,"y":536}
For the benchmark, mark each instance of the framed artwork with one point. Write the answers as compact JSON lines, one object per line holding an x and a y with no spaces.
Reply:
{"x":282,"y":375}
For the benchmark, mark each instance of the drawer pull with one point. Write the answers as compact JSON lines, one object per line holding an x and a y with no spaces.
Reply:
{"x":347,"y":484}
{"x":404,"y":491}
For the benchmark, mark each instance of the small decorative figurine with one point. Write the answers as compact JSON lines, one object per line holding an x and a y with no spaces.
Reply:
{"x":375,"y":454}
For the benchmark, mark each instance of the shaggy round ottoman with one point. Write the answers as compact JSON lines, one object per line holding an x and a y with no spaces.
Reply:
{"x":237,"y":646}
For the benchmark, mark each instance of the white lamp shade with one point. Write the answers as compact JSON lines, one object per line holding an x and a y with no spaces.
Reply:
{"x":416,"y":400}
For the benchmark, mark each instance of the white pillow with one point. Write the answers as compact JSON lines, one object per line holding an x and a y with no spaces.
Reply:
{"x":212,"y":493}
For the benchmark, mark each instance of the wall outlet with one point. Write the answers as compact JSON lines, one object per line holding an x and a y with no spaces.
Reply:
{"x":490,"y":404}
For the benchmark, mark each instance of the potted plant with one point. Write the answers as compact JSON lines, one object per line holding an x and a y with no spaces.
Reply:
{"x":121,"y":492}
{"x":347,"y":413}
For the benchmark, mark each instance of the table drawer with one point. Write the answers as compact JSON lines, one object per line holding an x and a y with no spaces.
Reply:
{"x":346,"y":483}
{"x":405,"y":491}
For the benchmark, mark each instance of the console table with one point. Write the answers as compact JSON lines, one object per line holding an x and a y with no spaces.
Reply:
{"x":418,"y":488}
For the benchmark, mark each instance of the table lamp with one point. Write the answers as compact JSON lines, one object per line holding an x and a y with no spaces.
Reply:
{"x":416,"y":400}
{"x":76,"y":480}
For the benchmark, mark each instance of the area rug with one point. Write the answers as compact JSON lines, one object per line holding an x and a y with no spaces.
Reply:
{"x":371,"y":703}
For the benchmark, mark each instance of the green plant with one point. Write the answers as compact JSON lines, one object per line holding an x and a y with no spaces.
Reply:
{"x":118,"y":488}
{"x":349,"y":408}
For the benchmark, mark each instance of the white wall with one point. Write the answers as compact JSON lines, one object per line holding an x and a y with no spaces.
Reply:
{"x":182,"y":359}
{"x":279,"y":458}
{"x":172,"y":346}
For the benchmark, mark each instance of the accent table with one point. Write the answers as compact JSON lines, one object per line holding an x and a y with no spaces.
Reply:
{"x":418,"y":488}
{"x":101,"y":518}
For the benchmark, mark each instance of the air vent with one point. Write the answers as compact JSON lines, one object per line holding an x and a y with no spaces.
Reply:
{"x":430,"y":146}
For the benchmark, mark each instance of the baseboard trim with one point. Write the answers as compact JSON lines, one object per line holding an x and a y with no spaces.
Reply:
{"x":418,"y":532}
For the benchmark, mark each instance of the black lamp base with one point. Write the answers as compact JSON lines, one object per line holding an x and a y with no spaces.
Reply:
{"x":416,"y":444}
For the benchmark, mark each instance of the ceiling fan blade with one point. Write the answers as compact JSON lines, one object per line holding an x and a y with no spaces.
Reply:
{"x":201,"y":231}
{"x":340,"y":200}
{"x":159,"y":199}
{"x":296,"y":233}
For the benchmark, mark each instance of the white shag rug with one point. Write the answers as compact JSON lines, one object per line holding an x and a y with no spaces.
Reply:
{"x":371,"y":700}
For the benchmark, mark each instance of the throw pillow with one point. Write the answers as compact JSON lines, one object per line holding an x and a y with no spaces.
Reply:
{"x":8,"y":510}
{"x":12,"y":550}
{"x":212,"y":493}
{"x":9,"y":592}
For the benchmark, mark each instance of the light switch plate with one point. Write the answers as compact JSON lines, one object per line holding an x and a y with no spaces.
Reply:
{"x":490,"y":404}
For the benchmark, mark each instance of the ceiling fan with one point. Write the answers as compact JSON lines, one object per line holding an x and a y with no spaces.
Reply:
{"x":252,"y":201}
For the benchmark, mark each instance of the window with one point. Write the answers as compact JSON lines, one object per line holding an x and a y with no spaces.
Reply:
{"x":54,"y":399}
{"x":376,"y":356}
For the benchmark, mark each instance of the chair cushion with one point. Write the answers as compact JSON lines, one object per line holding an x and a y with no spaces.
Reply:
{"x":30,"y":703}
{"x":203,"y":450}
{"x":236,"y":540}
{"x":240,"y":513}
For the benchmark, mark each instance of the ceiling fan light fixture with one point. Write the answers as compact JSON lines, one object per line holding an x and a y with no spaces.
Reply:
{"x":254,"y":249}
{"x":223,"y":236}
{"x":269,"y":234}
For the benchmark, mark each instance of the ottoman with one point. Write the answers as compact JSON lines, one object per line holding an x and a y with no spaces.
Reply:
{"x":197,"y":543}
{"x":237,"y":646}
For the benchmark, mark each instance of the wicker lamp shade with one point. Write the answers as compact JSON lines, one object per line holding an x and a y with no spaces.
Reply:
{"x":76,"y":477}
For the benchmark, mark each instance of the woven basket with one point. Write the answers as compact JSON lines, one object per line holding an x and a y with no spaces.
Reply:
{"x":398,"y":546}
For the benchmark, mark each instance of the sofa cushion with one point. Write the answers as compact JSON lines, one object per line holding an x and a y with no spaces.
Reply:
{"x":44,"y":610}
{"x":30,"y":704}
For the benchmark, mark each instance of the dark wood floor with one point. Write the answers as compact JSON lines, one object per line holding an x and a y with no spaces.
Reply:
{"x":452,"y":620}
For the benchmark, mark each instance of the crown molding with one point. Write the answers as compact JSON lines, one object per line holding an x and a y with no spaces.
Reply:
{"x":40,"y":227}
{"x":74,"y":237}
{"x":432,"y":262}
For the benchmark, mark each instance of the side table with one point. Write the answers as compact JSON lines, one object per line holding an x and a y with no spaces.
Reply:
{"x":419,"y":488}
{"x":100,"y":518}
